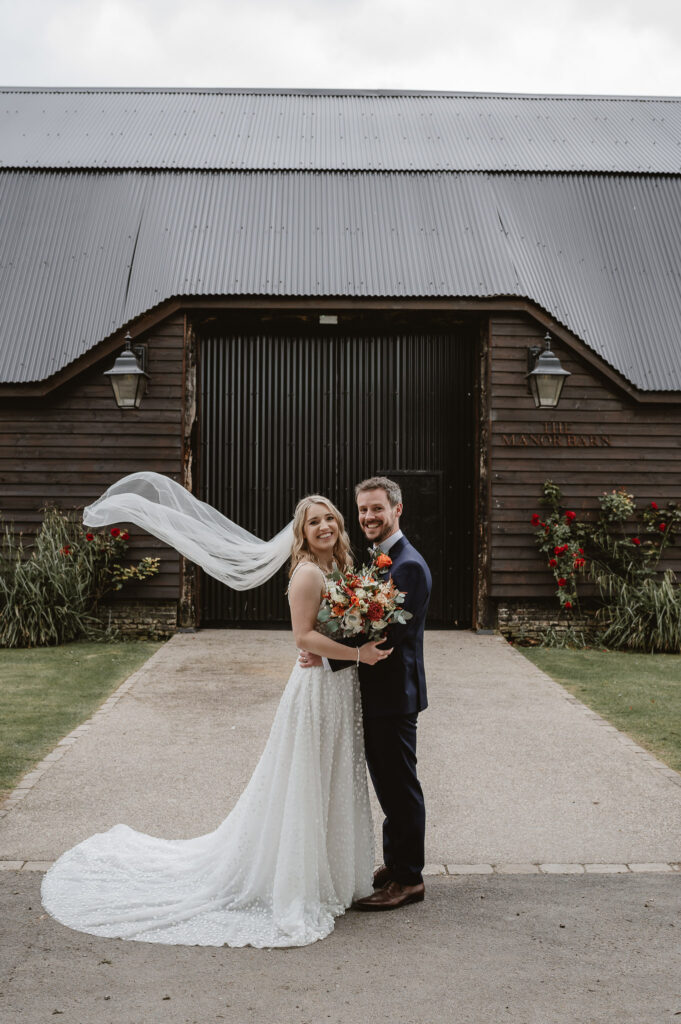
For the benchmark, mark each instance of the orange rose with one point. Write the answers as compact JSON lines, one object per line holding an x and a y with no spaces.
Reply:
{"x":384,"y":561}
{"x":339,"y":609}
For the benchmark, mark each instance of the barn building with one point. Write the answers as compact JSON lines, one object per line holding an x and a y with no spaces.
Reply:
{"x":326,"y":285}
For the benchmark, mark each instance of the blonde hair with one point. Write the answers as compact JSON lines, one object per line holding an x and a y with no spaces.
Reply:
{"x":342,"y":554}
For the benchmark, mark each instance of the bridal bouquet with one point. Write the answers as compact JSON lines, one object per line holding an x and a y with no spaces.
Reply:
{"x":362,"y":601}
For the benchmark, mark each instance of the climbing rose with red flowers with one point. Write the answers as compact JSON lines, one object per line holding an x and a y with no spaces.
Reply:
{"x":89,"y":536}
{"x":115,"y":532}
{"x":570,"y":516}
{"x":654,"y":505}
{"x":636,"y":541}
{"x":562,"y":582}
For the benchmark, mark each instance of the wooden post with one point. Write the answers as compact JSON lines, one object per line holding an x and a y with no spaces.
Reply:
{"x":188,"y":604}
{"x":482,"y":618}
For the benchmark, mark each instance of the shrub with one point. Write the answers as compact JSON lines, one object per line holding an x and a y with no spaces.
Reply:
{"x":621,"y":552}
{"x":52,"y":593}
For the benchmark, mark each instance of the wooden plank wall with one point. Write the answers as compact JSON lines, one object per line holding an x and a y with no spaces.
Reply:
{"x":596,"y":440}
{"x":69,"y":446}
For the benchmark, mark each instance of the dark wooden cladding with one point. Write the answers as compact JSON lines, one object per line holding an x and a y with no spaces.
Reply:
{"x":641,"y":452}
{"x":289,"y":414}
{"x":292,"y":407}
{"x":68,"y":446}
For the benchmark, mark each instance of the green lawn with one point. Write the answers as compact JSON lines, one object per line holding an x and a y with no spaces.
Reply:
{"x":638,"y":693}
{"x":46,"y":692}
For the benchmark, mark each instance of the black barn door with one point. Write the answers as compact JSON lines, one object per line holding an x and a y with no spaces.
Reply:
{"x":284,"y":416}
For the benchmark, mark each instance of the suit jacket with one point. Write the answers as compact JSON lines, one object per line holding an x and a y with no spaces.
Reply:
{"x":397,"y":686}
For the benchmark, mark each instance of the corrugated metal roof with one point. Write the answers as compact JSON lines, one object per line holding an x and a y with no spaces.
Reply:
{"x":82,"y":254}
{"x":299,"y":130}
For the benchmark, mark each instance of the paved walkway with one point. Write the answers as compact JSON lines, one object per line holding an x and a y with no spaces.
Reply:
{"x":557,"y":842}
{"x":518,"y":775}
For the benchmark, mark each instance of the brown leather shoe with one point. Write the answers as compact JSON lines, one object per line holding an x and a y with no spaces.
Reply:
{"x":382,"y":876}
{"x":391,"y":896}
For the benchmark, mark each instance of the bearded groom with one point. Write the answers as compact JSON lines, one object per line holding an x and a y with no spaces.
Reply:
{"x":393,"y":693}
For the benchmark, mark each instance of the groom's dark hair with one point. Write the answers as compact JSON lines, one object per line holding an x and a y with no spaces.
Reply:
{"x":373,"y":483}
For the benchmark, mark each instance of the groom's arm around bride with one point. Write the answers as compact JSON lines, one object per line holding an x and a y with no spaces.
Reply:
{"x":393,"y":693}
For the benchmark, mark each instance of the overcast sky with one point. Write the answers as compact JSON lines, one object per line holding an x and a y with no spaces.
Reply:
{"x":568,"y":46}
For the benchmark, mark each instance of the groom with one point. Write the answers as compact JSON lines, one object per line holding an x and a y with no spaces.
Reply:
{"x":393,"y":693}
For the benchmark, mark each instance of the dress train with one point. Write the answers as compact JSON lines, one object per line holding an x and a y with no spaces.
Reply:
{"x":290,"y":857}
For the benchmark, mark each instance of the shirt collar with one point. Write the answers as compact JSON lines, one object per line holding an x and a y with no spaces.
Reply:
{"x":386,"y":544}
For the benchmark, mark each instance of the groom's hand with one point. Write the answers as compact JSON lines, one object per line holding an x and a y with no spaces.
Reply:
{"x":308,"y":660}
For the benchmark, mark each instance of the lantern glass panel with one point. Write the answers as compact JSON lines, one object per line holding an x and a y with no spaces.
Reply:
{"x":546,"y":389}
{"x":128,"y":389}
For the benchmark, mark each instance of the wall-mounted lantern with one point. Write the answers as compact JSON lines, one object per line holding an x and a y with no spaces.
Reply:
{"x":128,"y":378}
{"x":546,"y":376}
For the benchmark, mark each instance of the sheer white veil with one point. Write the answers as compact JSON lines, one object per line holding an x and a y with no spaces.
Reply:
{"x":197,"y":530}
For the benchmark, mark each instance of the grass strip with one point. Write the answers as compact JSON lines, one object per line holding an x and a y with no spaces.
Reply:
{"x":45,"y":692}
{"x":640,"y":694}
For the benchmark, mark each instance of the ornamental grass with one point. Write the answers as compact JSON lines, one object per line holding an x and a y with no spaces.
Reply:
{"x":51,"y":593}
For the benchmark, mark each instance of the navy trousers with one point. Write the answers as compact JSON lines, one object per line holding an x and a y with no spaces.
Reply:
{"x":390,"y":744}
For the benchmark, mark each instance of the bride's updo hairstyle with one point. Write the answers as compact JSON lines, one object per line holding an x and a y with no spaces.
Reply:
{"x":299,"y":550}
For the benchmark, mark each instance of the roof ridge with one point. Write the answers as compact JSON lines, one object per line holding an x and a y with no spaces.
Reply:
{"x":375,"y":93}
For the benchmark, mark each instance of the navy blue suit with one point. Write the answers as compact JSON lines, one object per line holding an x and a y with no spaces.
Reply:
{"x":393,"y":692}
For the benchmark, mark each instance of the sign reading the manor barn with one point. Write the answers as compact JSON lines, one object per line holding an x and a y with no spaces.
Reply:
{"x":557,"y":435}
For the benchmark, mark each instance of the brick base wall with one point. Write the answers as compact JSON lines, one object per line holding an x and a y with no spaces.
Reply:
{"x":141,"y":619}
{"x":527,"y":621}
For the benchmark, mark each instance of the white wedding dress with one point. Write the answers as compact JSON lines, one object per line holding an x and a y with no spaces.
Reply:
{"x":291,"y":856}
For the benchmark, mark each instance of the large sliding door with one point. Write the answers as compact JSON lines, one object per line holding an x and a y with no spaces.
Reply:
{"x":287,"y":415}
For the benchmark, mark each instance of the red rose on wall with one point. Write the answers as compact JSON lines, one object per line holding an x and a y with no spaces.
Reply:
{"x":535,"y":520}
{"x":663,"y":527}
{"x":568,"y":604}
{"x":553,"y":562}
{"x":89,"y":536}
{"x":636,"y":541}
{"x":562,"y":582}
{"x":115,"y":532}
{"x":654,"y":505}
{"x":125,"y":536}
{"x":570,"y":516}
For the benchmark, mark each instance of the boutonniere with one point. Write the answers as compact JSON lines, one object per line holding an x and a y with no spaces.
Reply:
{"x":383,"y":561}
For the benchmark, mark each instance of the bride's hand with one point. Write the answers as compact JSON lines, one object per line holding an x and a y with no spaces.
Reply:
{"x":370,"y":653}
{"x":309,"y":660}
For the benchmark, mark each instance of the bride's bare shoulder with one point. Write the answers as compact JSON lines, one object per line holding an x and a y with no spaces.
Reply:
{"x":306,"y":576}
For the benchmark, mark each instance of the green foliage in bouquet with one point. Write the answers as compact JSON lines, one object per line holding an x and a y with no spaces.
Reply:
{"x":51,"y":594}
{"x":363,"y":602}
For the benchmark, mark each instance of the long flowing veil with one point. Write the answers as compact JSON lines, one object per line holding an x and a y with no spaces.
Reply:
{"x":165,"y":509}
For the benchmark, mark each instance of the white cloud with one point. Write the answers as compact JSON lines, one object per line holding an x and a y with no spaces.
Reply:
{"x":578,"y":46}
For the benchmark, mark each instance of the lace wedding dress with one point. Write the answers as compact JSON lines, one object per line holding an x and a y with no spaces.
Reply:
{"x":291,"y":856}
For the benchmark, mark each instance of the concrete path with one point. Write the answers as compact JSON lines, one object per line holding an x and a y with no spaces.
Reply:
{"x":515,"y":771}
{"x":557,"y":842}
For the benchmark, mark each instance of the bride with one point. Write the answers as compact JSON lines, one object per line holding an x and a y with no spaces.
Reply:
{"x":297,"y":848}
